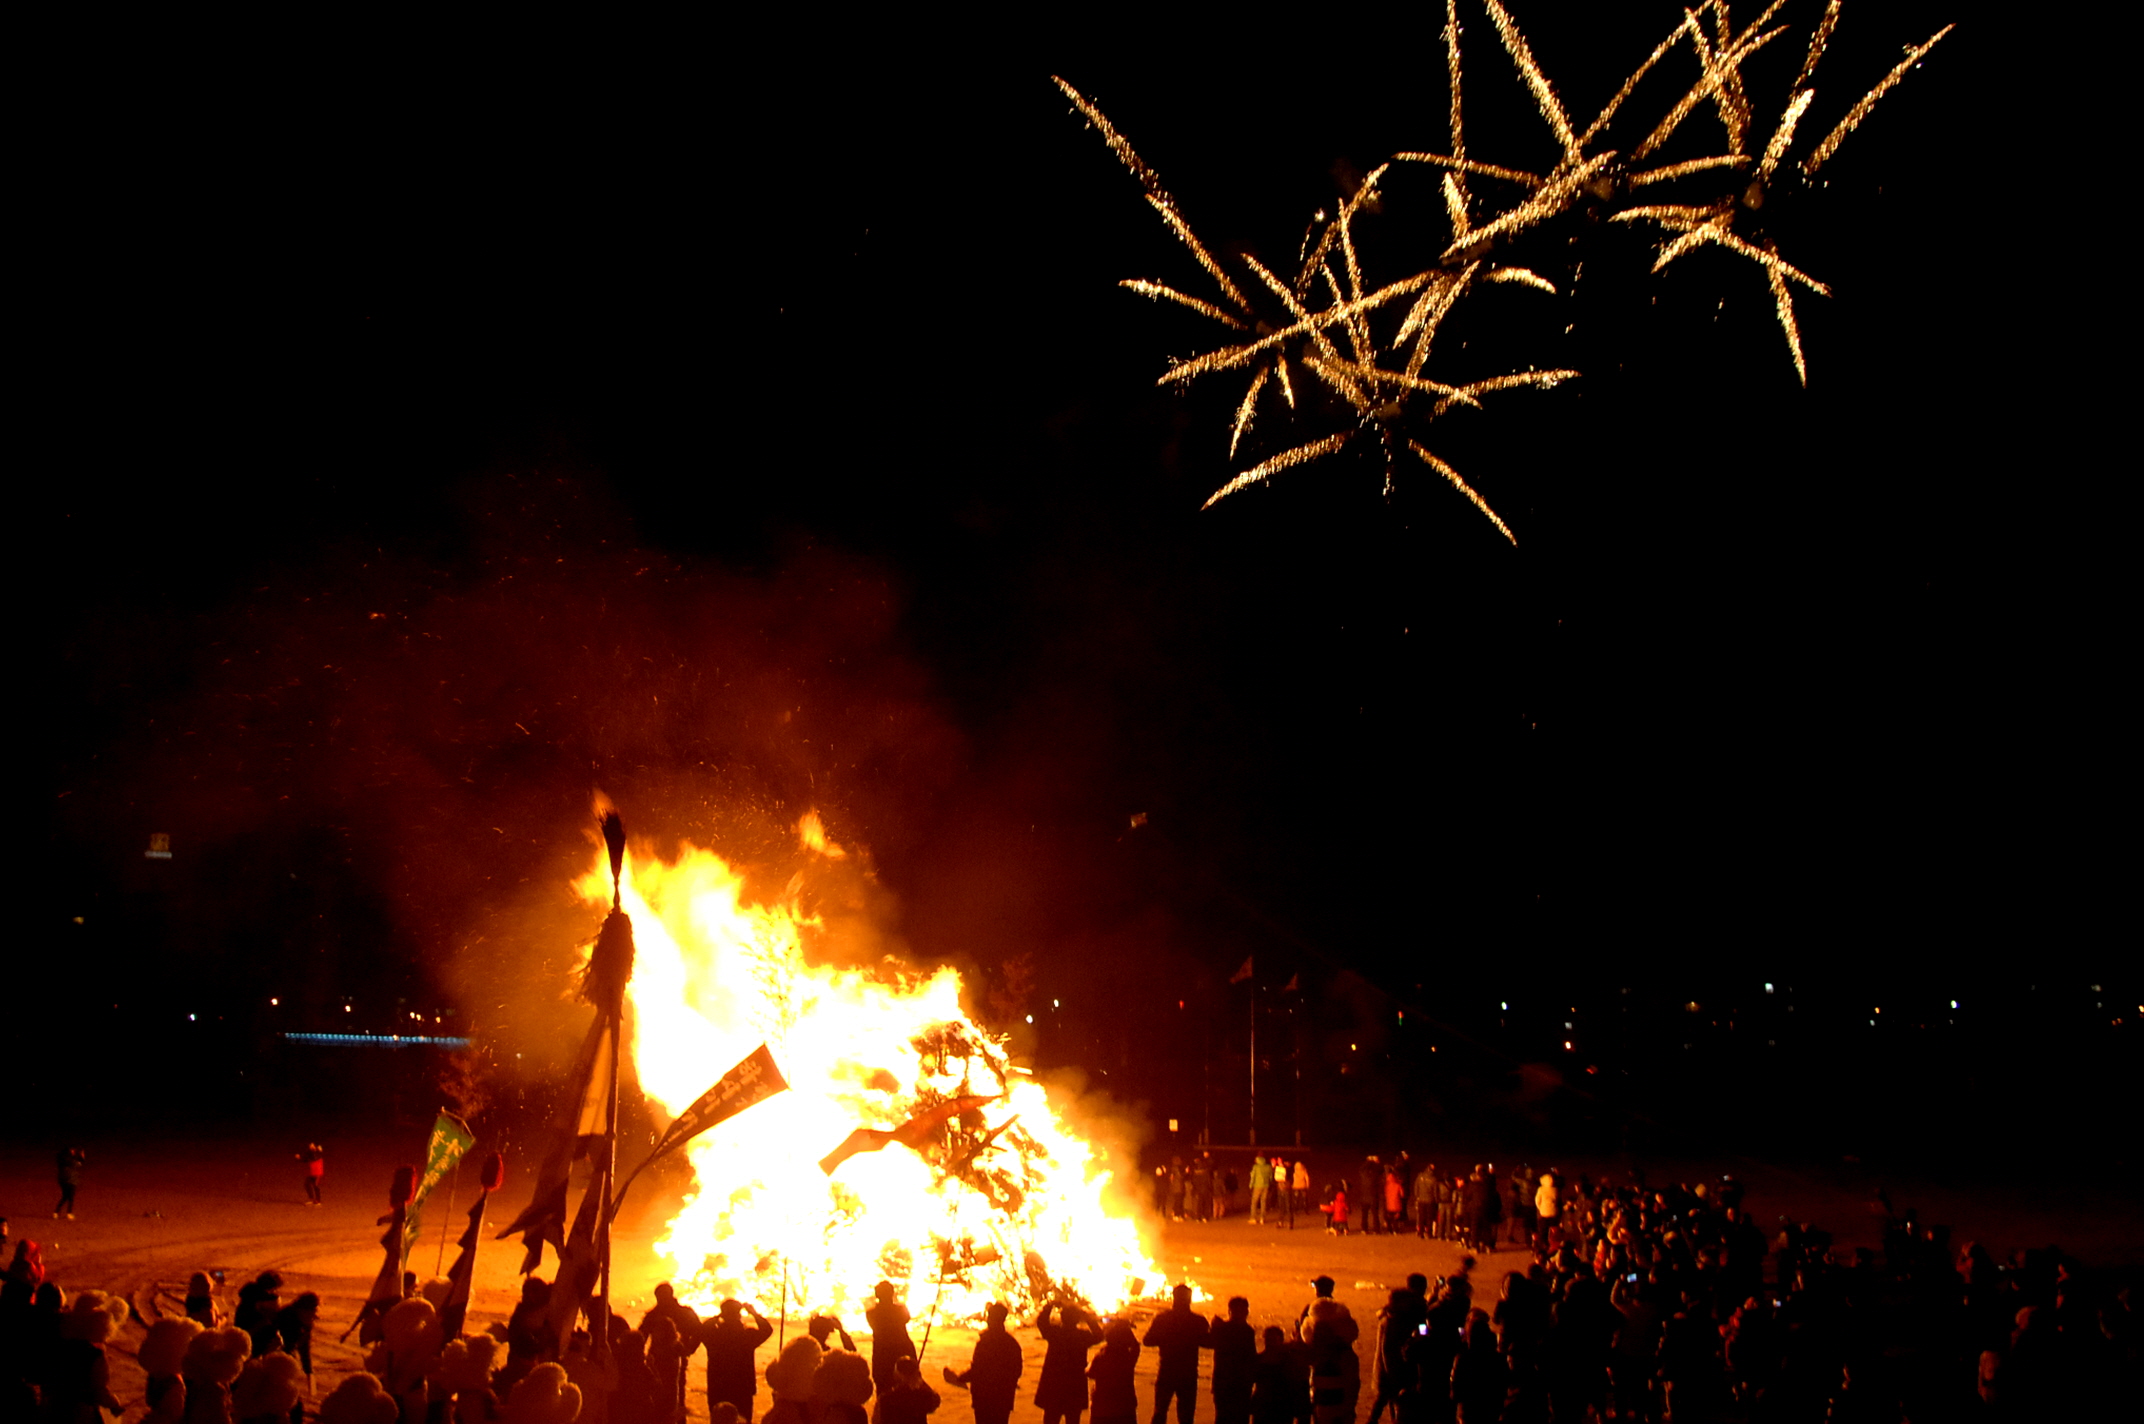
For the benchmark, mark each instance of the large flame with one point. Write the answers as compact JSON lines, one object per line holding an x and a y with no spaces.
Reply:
{"x":1007,"y":1202}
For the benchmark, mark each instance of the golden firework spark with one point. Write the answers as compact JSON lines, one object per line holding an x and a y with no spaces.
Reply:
{"x":1330,"y":319}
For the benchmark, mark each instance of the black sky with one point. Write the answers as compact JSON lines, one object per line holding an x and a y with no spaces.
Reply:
{"x":810,"y":352}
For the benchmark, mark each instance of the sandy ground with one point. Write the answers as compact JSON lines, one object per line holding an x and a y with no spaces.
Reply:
{"x":150,"y":1213}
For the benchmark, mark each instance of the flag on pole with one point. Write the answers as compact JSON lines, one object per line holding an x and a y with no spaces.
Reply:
{"x":912,"y":1133}
{"x":580,"y":1263}
{"x":387,"y":1285}
{"x":1241,"y":974}
{"x":585,"y":1125}
{"x":753,"y":1080}
{"x":451,"y":1138}
{"x":463,"y":1271}
{"x":582,"y":1126}
{"x":1292,"y":985}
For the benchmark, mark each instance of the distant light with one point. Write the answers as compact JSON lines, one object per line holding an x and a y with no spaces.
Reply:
{"x":1056,"y":1004}
{"x":1568,"y":1024}
{"x":379,"y":1041}
{"x":78,"y":919}
{"x":1567,"y":1045}
{"x":346,"y":1008}
{"x":1030,"y":1018}
{"x":1354,"y":1047}
{"x":1504,"y":1006}
{"x":189,"y":1018}
{"x":1767,"y":988}
{"x":272,"y":1003}
{"x":1954,"y":1003}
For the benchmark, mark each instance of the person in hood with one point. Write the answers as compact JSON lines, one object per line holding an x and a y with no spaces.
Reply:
{"x":1116,"y":1399}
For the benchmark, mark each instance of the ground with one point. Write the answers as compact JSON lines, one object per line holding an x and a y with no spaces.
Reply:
{"x":152,"y":1211}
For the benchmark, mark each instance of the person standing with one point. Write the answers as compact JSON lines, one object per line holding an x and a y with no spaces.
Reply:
{"x":1396,"y":1321}
{"x":1300,"y":1185}
{"x":1330,"y":1332}
{"x":1277,"y":1393}
{"x":1261,"y":1189}
{"x":1425,"y":1201}
{"x":910,"y":1401}
{"x":1235,"y":1363}
{"x":1370,"y":1194}
{"x":1178,"y":1335}
{"x":259,"y":1303}
{"x":888,"y":1319}
{"x":1547,"y":1214}
{"x":1395,"y":1200}
{"x":313,"y":1162}
{"x":685,"y":1321}
{"x":731,"y":1345}
{"x":1116,"y":1398}
{"x":992,"y":1378}
{"x":69,"y":1170}
{"x":1479,"y":1376}
{"x":1068,"y":1333}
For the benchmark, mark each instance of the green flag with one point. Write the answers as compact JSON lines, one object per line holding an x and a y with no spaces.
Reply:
{"x":451,"y":1138}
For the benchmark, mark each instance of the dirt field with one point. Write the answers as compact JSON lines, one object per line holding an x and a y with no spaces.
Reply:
{"x":151,"y":1213}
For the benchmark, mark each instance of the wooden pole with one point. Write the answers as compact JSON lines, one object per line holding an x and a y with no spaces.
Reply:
{"x":452,"y":1182}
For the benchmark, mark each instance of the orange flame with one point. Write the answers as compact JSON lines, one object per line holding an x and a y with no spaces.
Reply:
{"x":1007,"y":1202}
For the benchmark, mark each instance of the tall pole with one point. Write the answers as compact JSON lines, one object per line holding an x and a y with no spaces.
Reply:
{"x":613,"y":1004}
{"x":1254,"y":1063}
{"x":452,"y":1182}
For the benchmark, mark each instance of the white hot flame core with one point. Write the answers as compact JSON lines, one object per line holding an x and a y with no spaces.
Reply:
{"x":1026,"y":1212}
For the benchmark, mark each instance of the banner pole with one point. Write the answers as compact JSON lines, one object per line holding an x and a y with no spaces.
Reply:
{"x":452,"y":1183}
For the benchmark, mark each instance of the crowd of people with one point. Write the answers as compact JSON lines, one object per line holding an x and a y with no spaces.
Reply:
{"x":1636,"y":1304}
{"x":1675,"y":1305}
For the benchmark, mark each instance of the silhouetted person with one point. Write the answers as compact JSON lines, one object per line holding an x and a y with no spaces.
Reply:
{"x":823,"y":1326}
{"x":910,"y":1401}
{"x":1370,"y":1195}
{"x":258,"y":1305}
{"x":294,"y":1329}
{"x":1479,"y":1378}
{"x":1116,"y":1400}
{"x":68,"y":1168}
{"x":1177,"y":1335}
{"x":1234,"y":1343}
{"x":732,"y":1377}
{"x":313,"y":1162}
{"x":685,"y":1321}
{"x":526,"y":1338}
{"x":1068,"y":1333}
{"x":992,"y":1377}
{"x":1278,"y":1395}
{"x":888,"y":1320}
{"x":1396,"y":1321}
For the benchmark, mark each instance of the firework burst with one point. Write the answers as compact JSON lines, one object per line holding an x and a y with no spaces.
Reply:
{"x":1369,"y":345}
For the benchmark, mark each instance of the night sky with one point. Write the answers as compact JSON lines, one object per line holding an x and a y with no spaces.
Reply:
{"x":439,"y":439}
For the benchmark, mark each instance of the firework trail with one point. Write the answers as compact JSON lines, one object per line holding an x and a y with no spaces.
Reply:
{"x":1368,"y":345}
